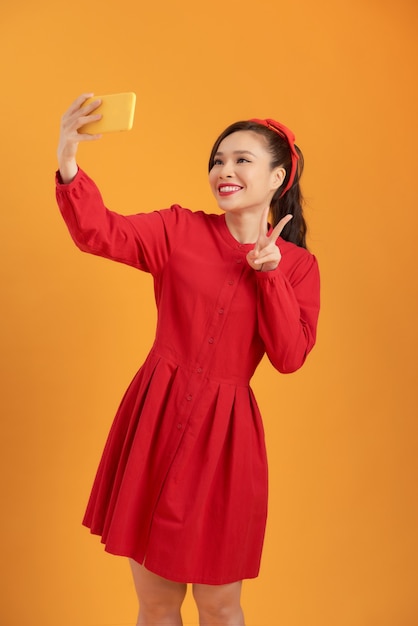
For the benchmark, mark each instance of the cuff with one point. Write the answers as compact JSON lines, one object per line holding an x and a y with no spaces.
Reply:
{"x":58,"y":180}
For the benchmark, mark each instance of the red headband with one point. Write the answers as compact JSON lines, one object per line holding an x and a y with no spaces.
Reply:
{"x":287,"y":134}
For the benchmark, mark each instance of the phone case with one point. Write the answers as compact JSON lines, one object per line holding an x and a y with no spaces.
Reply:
{"x":118,"y":113}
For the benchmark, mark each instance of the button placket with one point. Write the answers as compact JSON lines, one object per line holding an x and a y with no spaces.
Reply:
{"x":209,"y":344}
{"x":218,"y":319}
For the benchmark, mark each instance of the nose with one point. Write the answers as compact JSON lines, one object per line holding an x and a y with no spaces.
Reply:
{"x":227,"y":170}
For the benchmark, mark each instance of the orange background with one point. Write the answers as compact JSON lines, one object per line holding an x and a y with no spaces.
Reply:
{"x":341,"y":546}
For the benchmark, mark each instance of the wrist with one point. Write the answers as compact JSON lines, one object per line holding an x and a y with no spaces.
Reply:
{"x":68,"y":170}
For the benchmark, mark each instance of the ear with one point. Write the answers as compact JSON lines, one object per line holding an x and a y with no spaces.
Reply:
{"x":279,"y":174}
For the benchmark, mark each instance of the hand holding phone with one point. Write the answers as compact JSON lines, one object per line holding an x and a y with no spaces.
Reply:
{"x":85,"y":120}
{"x":117,"y":111}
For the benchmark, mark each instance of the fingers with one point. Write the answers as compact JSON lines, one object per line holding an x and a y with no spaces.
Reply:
{"x":80,"y":113}
{"x":88,"y":136}
{"x":77,"y":115}
{"x":277,"y":230}
{"x":266,"y":253}
{"x":263,"y":230}
{"x":74,"y":106}
{"x":272,"y":257}
{"x":265,"y":262}
{"x":80,"y":101}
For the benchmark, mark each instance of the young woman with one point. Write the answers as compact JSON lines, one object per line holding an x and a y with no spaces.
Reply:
{"x":181,"y":489}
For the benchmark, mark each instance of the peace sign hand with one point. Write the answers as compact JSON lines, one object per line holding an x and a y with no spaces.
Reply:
{"x":265,"y":256}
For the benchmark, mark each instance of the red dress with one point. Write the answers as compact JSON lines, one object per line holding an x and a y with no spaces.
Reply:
{"x":182,"y":483}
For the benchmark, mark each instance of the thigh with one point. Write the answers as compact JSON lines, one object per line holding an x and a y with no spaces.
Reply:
{"x":153,"y":589}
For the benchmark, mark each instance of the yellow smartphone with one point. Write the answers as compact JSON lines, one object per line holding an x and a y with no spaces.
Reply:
{"x":117,"y":112}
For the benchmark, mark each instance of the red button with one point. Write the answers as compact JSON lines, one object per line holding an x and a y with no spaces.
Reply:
{"x":211,"y":340}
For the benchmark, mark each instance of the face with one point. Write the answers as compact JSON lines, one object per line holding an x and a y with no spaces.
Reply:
{"x":241,"y":178}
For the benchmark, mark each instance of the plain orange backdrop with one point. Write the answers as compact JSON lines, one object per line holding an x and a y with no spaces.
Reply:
{"x":341,"y":546}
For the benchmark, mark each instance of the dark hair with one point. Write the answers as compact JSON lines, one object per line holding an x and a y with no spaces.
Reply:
{"x":292,"y":200}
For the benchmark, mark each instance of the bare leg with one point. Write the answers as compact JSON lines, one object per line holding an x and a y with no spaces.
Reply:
{"x":160,"y":599}
{"x":219,"y":605}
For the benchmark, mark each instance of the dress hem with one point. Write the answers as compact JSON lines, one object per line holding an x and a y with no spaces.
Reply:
{"x":190,"y":580}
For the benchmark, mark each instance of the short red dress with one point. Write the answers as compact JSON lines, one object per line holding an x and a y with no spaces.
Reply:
{"x":182,"y":483}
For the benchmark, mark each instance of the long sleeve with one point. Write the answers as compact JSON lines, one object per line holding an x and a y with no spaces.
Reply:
{"x":288,"y":308}
{"x":143,"y":240}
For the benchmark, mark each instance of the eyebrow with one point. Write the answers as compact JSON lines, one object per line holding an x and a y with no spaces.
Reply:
{"x":237,"y":152}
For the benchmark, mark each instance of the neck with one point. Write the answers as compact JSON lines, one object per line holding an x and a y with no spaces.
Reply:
{"x":244,"y":228}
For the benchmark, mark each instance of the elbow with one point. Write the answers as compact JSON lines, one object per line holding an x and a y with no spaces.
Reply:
{"x":288,"y":365}
{"x":80,"y":243}
{"x":85,"y":241}
{"x":291,"y":360}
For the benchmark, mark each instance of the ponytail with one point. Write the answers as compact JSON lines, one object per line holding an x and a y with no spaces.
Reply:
{"x":291,"y":203}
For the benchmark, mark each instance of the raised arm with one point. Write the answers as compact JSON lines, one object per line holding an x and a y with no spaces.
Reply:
{"x":73,"y":119}
{"x":142,"y":240}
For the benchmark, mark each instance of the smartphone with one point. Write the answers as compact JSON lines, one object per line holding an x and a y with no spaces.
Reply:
{"x":117,"y":112}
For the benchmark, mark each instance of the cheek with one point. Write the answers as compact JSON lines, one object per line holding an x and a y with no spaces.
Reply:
{"x":212,"y":179}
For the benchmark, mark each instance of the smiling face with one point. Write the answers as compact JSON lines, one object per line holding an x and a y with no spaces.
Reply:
{"x":242,"y":179}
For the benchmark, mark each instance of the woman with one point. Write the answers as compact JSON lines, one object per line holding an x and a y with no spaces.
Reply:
{"x":182,"y":485}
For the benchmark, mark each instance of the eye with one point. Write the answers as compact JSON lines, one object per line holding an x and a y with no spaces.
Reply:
{"x":217,"y":162}
{"x":242,"y":160}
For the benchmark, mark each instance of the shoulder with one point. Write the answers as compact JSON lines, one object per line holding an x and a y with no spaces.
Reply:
{"x":296,"y":262}
{"x":178,"y":216}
